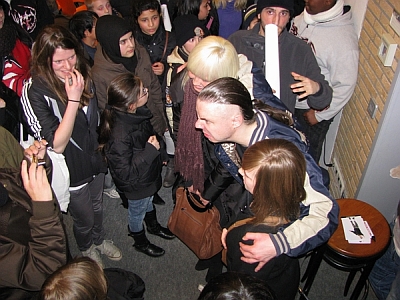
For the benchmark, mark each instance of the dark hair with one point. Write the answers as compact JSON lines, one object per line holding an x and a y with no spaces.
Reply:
{"x":280,"y":179}
{"x":80,"y":279}
{"x":228,"y":90}
{"x":123,"y":91}
{"x":82,"y":21}
{"x":140,"y":6}
{"x":49,"y":39}
{"x":189,"y":7}
{"x":20,"y":32}
{"x":236,"y":286}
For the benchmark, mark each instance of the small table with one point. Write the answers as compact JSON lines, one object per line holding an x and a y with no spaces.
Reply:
{"x":351,"y":257}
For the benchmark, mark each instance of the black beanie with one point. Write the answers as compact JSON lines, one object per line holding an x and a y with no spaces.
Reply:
{"x":288,"y":4}
{"x":187,"y":27}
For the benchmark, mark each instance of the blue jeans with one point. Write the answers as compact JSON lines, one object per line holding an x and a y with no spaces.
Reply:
{"x":137,"y":210}
{"x":385,"y":276}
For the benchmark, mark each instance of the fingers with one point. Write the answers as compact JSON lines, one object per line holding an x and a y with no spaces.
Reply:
{"x":223,"y":237}
{"x":259,"y":266}
{"x":24,"y":172}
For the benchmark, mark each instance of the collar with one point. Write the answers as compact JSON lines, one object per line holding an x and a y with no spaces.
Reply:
{"x":325,"y":16}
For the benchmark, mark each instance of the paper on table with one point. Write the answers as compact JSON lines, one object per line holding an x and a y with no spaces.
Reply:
{"x":355,"y":231}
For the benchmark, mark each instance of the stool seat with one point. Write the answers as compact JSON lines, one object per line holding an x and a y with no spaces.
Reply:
{"x":377,"y":223}
{"x":339,"y":253}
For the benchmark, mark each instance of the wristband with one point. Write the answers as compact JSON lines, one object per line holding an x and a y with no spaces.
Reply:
{"x":77,"y":101}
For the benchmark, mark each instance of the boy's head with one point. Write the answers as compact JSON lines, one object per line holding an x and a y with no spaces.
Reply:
{"x":100,"y":7}
{"x":83,"y":24}
{"x":189,"y":31}
{"x":146,"y":15}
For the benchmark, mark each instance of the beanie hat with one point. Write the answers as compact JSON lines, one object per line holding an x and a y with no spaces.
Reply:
{"x":288,"y":4}
{"x":187,"y":27}
{"x":249,"y":15}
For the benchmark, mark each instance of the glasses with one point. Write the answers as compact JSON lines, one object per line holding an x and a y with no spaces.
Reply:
{"x":145,"y":92}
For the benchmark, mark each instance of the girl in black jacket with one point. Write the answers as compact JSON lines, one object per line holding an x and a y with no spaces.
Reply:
{"x":135,"y":155}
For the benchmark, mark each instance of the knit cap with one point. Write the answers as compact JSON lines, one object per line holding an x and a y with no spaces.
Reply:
{"x":288,"y":4}
{"x":187,"y":27}
{"x":249,"y":15}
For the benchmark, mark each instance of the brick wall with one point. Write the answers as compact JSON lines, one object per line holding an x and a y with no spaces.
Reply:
{"x":357,"y":129}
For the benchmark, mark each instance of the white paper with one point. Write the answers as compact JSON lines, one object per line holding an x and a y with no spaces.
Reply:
{"x":166,"y":19}
{"x":355,"y":231}
{"x":272,"y":58}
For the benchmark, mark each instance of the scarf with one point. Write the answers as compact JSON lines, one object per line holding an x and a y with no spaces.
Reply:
{"x":325,"y":16}
{"x":109,"y":29}
{"x":189,"y":159}
{"x":8,"y":37}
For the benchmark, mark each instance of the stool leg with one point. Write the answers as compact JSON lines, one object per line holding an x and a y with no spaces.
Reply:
{"x":349,"y":281}
{"x":312,"y":269}
{"x":361,"y":282}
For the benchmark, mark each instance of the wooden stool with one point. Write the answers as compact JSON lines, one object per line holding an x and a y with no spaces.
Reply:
{"x":351,"y":257}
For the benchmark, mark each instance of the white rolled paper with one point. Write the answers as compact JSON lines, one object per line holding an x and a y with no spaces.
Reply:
{"x":272,"y":58}
{"x":166,"y":19}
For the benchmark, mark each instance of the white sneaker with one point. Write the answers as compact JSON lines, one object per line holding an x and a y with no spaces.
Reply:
{"x":93,"y":254}
{"x":111,"y":193}
{"x":200,"y":287}
{"x":108,"y":248}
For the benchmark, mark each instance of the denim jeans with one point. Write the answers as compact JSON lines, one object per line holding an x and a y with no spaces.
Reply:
{"x":385,"y":276}
{"x":137,"y":210}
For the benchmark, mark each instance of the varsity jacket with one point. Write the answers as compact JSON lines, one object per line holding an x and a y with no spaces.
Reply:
{"x":134,"y":163}
{"x":318,"y":212}
{"x":104,"y":71}
{"x":42,"y":111}
{"x":294,"y":56}
{"x":335,"y":45}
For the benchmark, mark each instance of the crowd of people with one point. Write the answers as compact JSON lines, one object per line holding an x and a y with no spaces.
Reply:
{"x":113,"y":95}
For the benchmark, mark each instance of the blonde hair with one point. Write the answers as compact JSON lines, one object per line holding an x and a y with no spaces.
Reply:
{"x":213,"y":58}
{"x":239,"y":4}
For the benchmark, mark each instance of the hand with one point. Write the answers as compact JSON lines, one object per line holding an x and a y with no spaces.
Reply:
{"x":305,"y":86}
{"x":158,"y":68}
{"x":309,"y":117}
{"x":223,"y":237}
{"x":261,"y":251}
{"x":74,"y":85}
{"x":181,"y":67}
{"x":35,"y":182}
{"x":37,"y":148}
{"x":153,"y":140}
{"x":203,"y":201}
{"x":2,"y":103}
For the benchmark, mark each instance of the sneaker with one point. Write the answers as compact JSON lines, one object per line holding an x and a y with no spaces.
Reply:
{"x":108,"y":248}
{"x":111,"y":193}
{"x":200,"y":287}
{"x":93,"y":254}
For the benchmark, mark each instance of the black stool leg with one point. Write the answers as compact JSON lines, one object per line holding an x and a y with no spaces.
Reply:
{"x":349,"y":281}
{"x":361,"y":282}
{"x":312,"y":269}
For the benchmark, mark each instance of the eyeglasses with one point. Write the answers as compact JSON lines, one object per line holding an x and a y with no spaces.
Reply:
{"x":145,"y":92}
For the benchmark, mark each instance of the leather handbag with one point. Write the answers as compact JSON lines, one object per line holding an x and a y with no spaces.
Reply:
{"x":196,"y":225}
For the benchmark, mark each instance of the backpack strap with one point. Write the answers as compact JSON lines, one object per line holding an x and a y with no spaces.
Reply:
{"x":234,"y":225}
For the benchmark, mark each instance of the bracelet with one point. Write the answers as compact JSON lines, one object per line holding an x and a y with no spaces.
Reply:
{"x":77,"y":101}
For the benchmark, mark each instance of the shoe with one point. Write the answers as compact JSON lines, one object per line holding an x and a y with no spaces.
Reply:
{"x":111,"y":193}
{"x":93,"y":254}
{"x":153,"y":227}
{"x":142,"y":244}
{"x":202,"y":264}
{"x":158,"y":200}
{"x":170,"y":175}
{"x":108,"y":248}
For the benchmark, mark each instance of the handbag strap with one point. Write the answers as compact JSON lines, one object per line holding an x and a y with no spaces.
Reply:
{"x":165,"y":46}
{"x":195,"y":204}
